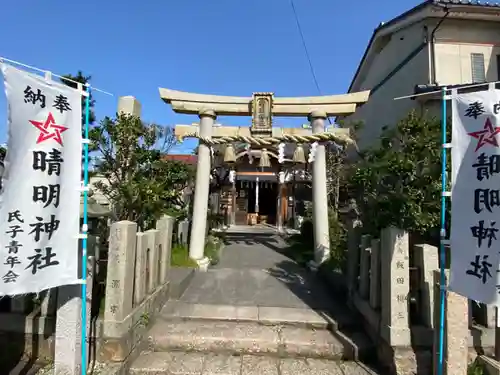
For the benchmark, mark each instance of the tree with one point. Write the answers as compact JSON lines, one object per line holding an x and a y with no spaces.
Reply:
{"x":140,"y":184}
{"x":335,"y":159}
{"x":399,"y":182}
{"x":69,"y":80}
{"x":337,"y":166}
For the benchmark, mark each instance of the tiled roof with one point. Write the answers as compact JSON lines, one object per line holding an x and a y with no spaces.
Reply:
{"x":467,"y":2}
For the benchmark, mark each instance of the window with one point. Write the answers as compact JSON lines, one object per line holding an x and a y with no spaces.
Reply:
{"x":477,"y":66}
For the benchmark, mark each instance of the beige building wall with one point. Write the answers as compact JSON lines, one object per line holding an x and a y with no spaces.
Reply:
{"x":381,"y":110}
{"x":455,"y":40}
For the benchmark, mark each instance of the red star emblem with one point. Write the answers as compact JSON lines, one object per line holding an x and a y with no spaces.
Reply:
{"x":46,"y":126}
{"x":486,"y":136}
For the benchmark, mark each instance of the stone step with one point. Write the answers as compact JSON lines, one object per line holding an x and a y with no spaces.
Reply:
{"x":299,"y":317}
{"x":179,"y":363}
{"x":251,"y":338}
{"x":355,"y":343}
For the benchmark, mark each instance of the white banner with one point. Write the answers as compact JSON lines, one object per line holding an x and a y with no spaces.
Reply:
{"x":475,"y":207}
{"x":39,"y":213}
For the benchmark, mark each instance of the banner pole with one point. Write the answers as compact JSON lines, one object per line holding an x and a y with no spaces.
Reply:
{"x":85,"y":230}
{"x":442,"y":292}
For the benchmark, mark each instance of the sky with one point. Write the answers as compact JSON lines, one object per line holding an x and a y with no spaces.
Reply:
{"x":224,"y":47}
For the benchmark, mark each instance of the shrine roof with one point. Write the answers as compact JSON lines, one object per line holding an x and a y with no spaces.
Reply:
{"x":183,"y":158}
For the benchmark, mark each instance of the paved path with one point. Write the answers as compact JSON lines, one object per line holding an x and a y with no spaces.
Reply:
{"x":253,"y":271}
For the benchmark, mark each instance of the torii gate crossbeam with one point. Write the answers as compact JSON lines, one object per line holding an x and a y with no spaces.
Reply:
{"x":262,"y":107}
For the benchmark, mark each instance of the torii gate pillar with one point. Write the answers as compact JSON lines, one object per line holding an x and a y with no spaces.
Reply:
{"x":320,"y":195}
{"x":201,"y":192}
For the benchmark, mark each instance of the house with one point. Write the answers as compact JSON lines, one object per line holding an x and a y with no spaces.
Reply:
{"x":437,"y":43}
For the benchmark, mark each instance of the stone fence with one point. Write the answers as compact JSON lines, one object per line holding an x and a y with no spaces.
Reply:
{"x":138,"y":282}
{"x":395,"y":287}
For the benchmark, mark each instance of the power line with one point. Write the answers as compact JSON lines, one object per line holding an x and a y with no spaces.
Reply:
{"x":311,"y":67}
{"x":305,"y":46}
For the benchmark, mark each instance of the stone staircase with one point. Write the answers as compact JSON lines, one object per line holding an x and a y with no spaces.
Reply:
{"x":190,"y":338}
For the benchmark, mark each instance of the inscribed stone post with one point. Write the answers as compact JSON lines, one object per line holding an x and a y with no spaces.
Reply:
{"x":364,"y":266}
{"x":165,"y":227}
{"x":140,"y":280}
{"x":151,"y":237}
{"x":395,"y":286}
{"x":121,"y":259}
{"x":456,"y":335}
{"x":375,"y":275}
{"x":68,"y":335}
{"x":427,"y":260}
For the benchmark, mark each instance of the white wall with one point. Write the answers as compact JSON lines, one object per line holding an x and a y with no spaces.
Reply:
{"x":381,"y":109}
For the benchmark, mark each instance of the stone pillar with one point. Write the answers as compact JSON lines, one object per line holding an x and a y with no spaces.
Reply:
{"x":320,"y":196}
{"x":233,"y":202}
{"x":119,"y":279}
{"x":94,"y":249}
{"x":197,"y":244}
{"x":426,"y":259}
{"x":491,"y":316}
{"x":364,"y":267}
{"x":279,"y":216}
{"x":497,"y":335}
{"x":151,"y":237}
{"x":166,"y":227}
{"x":470,"y":313}
{"x":140,"y":279}
{"x":68,"y":335}
{"x":257,"y":195}
{"x":375,"y":275}
{"x":353,"y":240}
{"x":456,"y":334}
{"x":129,"y":105}
{"x":395,"y":286}
{"x":49,"y":301}
{"x":183,"y":231}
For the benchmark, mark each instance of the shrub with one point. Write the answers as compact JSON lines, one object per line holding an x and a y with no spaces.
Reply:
{"x":338,"y":242}
{"x":180,"y":257}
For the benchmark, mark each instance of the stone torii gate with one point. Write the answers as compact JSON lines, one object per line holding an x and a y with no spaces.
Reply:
{"x":262,"y":107}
